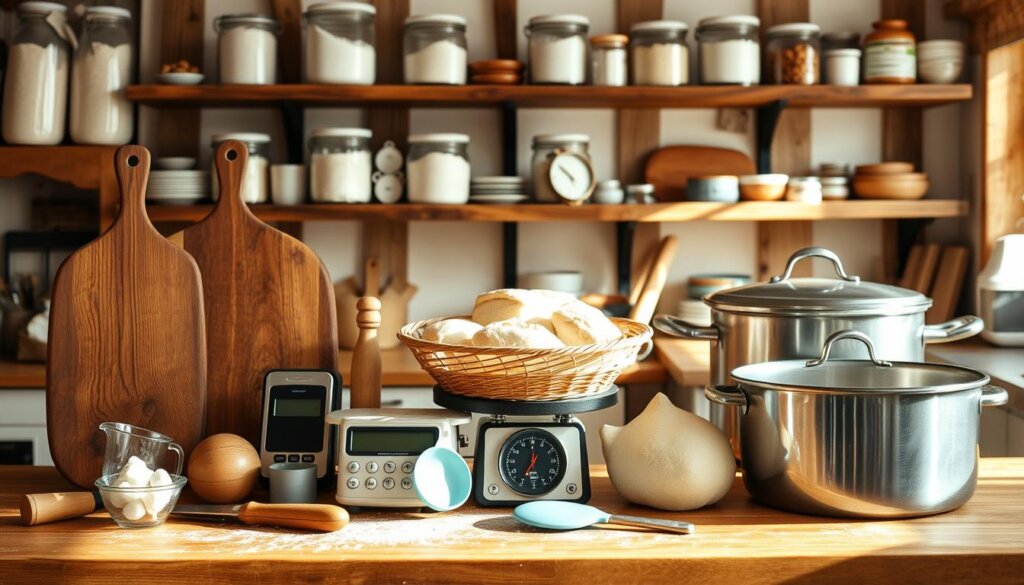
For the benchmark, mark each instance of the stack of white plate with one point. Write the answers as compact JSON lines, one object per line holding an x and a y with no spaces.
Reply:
{"x":497,"y":190}
{"x":178,"y":187}
{"x":695,"y":312}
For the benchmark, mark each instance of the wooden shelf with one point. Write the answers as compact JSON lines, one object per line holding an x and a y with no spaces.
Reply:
{"x":660,"y":212}
{"x":550,"y":96}
{"x":399,"y":368}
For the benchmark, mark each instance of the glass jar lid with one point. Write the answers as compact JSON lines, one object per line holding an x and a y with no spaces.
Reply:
{"x":612,"y":41}
{"x":254,"y":137}
{"x":108,"y":11}
{"x":41,"y":7}
{"x":660,"y":26}
{"x":794,"y":29}
{"x":428,"y":19}
{"x":341,"y":133}
{"x":327,"y":7}
{"x":576,"y":19}
{"x":439,"y":137}
{"x":260,"y":20}
{"x":735,"y":22}
{"x":559,"y":139}
{"x":842,"y":53}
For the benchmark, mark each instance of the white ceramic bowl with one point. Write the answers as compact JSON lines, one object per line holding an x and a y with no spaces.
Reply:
{"x":174,"y":163}
{"x":569,"y":281}
{"x":940,"y":71}
{"x":180,"y":78}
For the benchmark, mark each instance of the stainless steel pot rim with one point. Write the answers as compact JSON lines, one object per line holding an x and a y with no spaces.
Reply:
{"x":819,"y":296}
{"x":812,"y":310}
{"x":858,"y":377}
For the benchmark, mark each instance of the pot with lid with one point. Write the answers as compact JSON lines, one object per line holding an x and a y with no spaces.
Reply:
{"x":859,"y":438}
{"x":789,"y":318}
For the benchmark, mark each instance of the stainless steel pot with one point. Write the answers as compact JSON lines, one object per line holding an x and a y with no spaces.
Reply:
{"x":863,"y":438}
{"x":790,"y":318}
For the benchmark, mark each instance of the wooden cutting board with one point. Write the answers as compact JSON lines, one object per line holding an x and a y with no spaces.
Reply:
{"x":126,"y":341}
{"x":269,"y":303}
{"x":669,"y":167}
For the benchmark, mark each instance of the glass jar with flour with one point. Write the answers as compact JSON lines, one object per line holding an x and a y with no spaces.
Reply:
{"x":438,"y":168}
{"x":100,"y":112}
{"x":340,"y":39}
{"x":340,"y":165}
{"x":729,"y":51}
{"x":247,"y":48}
{"x":255,"y":179}
{"x":36,"y":85}
{"x":558,"y":49}
{"x":608,"y":60}
{"x":660,"y":54}
{"x":544,"y":147}
{"x":435,"y":49}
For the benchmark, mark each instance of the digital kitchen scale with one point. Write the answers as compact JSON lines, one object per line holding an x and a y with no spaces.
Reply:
{"x":529,"y":451}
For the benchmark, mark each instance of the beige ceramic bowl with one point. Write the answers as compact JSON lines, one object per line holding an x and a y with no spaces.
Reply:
{"x":899,"y":186}
{"x":767,"y":187}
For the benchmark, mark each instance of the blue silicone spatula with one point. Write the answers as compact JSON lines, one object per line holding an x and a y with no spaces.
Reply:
{"x":570,"y":516}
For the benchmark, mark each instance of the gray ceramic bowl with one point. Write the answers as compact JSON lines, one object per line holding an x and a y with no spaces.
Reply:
{"x":717,"y":189}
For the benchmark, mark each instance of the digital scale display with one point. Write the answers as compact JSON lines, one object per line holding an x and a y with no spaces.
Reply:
{"x":390,"y":440}
{"x":297,"y":407}
{"x":295,"y":423}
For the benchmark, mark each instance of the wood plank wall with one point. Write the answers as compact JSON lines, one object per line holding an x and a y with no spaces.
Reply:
{"x":181,"y":37}
{"x":1002,"y":209}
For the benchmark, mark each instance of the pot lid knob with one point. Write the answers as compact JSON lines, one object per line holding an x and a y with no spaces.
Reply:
{"x":847,"y":334}
{"x":811,"y":252}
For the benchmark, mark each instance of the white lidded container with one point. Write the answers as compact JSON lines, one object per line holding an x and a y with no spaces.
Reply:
{"x":558,"y":49}
{"x":36,"y":81}
{"x":842,"y":66}
{"x":340,"y":43}
{"x":660,"y":54}
{"x":247,"y":48}
{"x":544,"y":147}
{"x":1000,"y":292}
{"x":100,"y":112}
{"x":608,"y":60}
{"x":255,"y":180}
{"x":437,"y":168}
{"x":340,"y":165}
{"x":729,"y":51}
{"x":435,"y":49}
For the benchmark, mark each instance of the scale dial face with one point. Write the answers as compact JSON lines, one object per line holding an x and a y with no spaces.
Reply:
{"x":532,"y":462}
{"x":571,"y":176}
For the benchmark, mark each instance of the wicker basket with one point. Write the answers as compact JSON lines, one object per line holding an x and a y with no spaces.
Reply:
{"x":514,"y":373}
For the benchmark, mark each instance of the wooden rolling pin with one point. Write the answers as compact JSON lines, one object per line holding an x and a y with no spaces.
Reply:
{"x":39,"y":509}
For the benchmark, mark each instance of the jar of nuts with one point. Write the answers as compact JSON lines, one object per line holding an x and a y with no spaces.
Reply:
{"x":794,"y":53}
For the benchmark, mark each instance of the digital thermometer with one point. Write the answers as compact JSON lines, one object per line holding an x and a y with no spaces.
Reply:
{"x":295,"y":430}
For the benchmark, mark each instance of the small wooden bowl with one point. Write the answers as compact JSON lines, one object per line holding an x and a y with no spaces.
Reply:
{"x":886,"y":168}
{"x":906,"y":186}
{"x":496,"y":66}
{"x":496,"y":79}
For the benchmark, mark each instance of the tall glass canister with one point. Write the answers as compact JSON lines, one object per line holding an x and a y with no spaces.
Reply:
{"x":100,"y":112}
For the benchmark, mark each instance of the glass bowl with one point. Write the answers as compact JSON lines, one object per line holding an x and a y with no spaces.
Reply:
{"x":139,"y":507}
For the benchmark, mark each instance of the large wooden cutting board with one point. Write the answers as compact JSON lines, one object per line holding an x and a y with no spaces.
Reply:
{"x":126,"y":341}
{"x":269,"y":303}
{"x":669,"y":167}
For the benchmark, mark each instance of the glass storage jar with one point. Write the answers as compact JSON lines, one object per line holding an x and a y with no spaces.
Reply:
{"x":340,"y":165}
{"x":660,"y":54}
{"x":794,"y":53}
{"x":437,"y":168}
{"x":247,"y":48}
{"x":890,"y":53}
{"x":435,"y":49}
{"x":558,"y":49}
{"x":340,"y":43}
{"x":729,"y":52}
{"x":36,"y":84}
{"x":255,"y":179}
{"x":544,"y":146}
{"x":100,"y":112}
{"x":608,"y":60}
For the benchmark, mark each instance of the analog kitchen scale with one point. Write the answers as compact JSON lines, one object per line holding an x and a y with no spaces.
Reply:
{"x":529,"y":451}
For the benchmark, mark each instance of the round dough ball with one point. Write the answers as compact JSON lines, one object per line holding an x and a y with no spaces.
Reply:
{"x":534,"y":306}
{"x":516,"y":333}
{"x":223,"y":469}
{"x":668,"y":458}
{"x":451,"y":331}
{"x":577,"y":323}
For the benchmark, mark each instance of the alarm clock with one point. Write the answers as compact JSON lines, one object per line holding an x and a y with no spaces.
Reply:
{"x":571,"y":176}
{"x":378,"y":448}
{"x":295,"y":406}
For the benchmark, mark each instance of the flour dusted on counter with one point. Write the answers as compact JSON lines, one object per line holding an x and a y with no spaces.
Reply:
{"x":661,"y":64}
{"x":442,"y":61}
{"x":35,"y":94}
{"x":341,"y":177}
{"x":335,"y":59}
{"x":247,"y":55}
{"x":439,"y":177}
{"x":254,"y":181}
{"x":100,"y":112}
{"x":558,"y":61}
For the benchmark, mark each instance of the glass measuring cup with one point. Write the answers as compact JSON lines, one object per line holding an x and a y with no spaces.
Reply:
{"x":125,"y":440}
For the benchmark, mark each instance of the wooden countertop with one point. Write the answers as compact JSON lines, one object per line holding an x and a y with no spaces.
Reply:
{"x":399,"y":368}
{"x":736,"y":541}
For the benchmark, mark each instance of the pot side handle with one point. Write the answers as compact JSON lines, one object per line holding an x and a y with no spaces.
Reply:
{"x":726,"y":395}
{"x":994,"y":396}
{"x":676,"y":327}
{"x":955,"y":330}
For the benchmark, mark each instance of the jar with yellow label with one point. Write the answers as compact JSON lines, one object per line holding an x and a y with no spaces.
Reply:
{"x":890,"y":53}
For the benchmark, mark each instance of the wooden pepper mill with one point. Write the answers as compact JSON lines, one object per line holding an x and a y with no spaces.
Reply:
{"x":365,"y":382}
